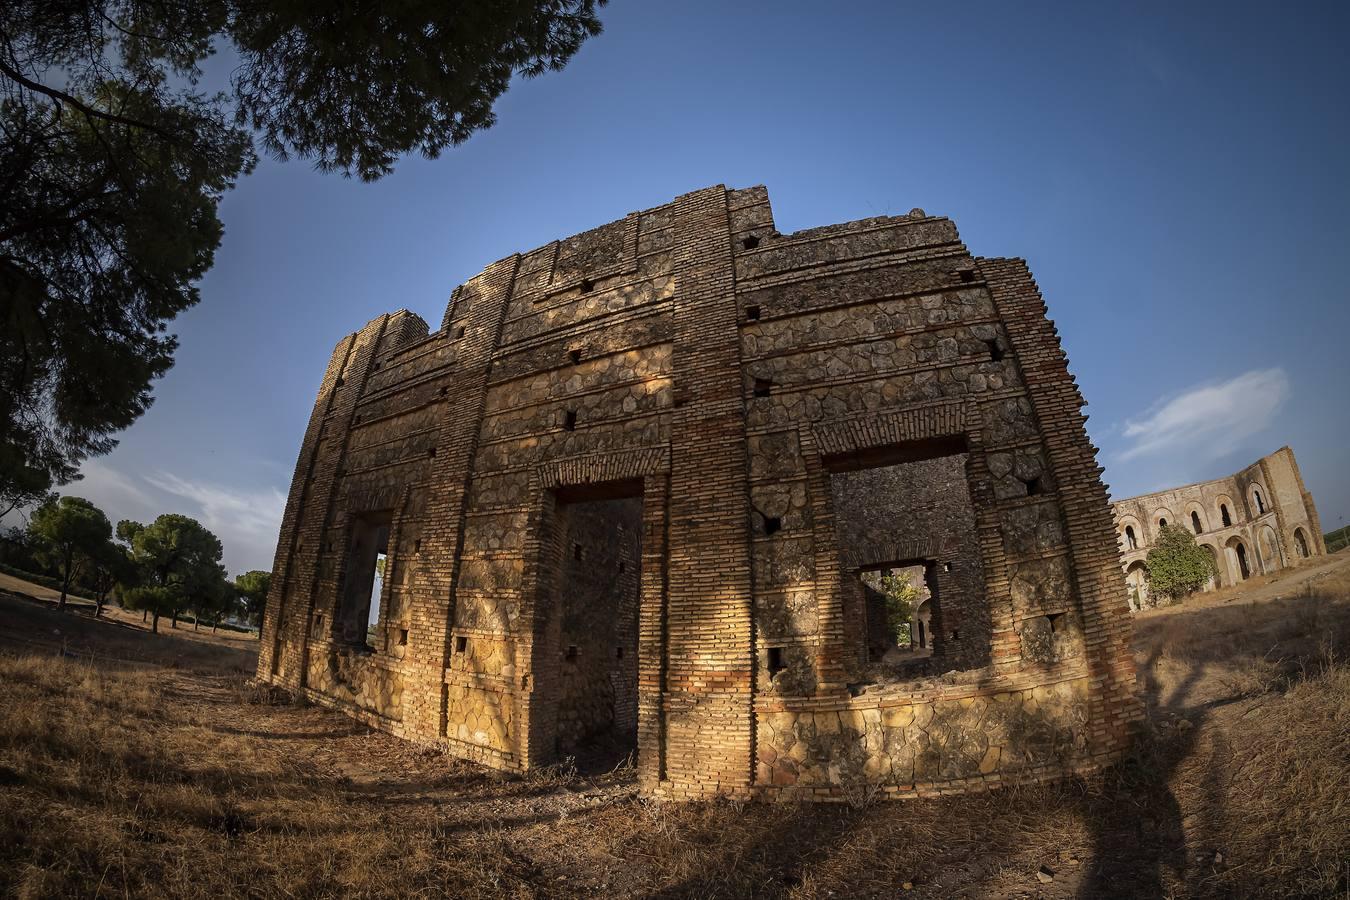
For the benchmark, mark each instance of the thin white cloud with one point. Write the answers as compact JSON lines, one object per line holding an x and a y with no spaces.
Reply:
{"x":107,"y":487}
{"x":246,"y":521}
{"x":1208,"y":420}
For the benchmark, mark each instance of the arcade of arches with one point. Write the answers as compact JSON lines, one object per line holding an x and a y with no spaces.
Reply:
{"x":1272,"y":524}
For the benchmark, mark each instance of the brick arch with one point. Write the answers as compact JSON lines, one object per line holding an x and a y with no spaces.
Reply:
{"x":600,"y":468}
{"x":1132,"y":523}
{"x":1220,"y":503}
{"x":1156,"y":517}
{"x":1195,"y":511}
{"x":1216,"y":553}
{"x":1258,"y":500}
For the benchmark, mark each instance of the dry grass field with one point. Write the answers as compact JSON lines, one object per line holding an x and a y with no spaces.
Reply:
{"x":140,"y":765}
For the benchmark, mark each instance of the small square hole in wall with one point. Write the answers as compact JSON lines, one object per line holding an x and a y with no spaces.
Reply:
{"x":587,"y":285}
{"x":461,"y":643}
{"x":763,"y":387}
{"x":570,"y":420}
{"x":772,"y":524}
{"x":751,"y":242}
{"x":995,"y":351}
{"x":403,"y":637}
{"x":618,"y":653}
{"x":417,"y":546}
{"x":378,"y":365}
{"x":572,"y":653}
{"x":752,"y":313}
{"x":966,"y":275}
{"x":460,"y":330}
{"x":574,"y":356}
{"x":623,"y":567}
{"x":431,"y":453}
{"x":956,"y":634}
{"x":1034,"y":486}
{"x":1056,"y":621}
{"x":775,"y":660}
{"x":946,"y":567}
{"x":576,"y":552}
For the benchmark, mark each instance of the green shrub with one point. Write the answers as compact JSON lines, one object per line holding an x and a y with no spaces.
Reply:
{"x":1177,"y":565}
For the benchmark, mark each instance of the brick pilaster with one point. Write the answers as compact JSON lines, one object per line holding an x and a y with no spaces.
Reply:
{"x":709,"y":727}
{"x":1090,"y":528}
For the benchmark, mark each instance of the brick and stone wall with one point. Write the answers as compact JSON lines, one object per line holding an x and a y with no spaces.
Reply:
{"x":1257,"y":521}
{"x":744,"y":420}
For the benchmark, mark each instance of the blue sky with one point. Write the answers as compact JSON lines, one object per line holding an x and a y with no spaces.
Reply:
{"x":1176,"y":174}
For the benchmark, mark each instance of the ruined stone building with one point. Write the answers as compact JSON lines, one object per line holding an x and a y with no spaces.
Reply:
{"x":627,"y":492}
{"x":1252,"y":523}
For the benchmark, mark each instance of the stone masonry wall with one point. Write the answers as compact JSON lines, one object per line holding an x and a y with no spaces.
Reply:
{"x":715,"y":378}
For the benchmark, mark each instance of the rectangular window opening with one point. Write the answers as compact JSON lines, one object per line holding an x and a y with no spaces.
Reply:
{"x":763,"y":387}
{"x":461,"y":643}
{"x":403,"y":637}
{"x":752,"y":313}
{"x":358,"y":615}
{"x":574,"y":356}
{"x":775,"y":661}
{"x":570,"y":420}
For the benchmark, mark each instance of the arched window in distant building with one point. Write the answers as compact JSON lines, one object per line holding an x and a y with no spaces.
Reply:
{"x":1301,"y":543}
{"x":1260,"y":504}
{"x":1195,"y":522}
{"x":1162,"y":523}
{"x":1130,"y":542}
{"x":1223,"y":512}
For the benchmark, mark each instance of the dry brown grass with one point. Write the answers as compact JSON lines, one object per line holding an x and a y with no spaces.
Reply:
{"x":171,"y":776}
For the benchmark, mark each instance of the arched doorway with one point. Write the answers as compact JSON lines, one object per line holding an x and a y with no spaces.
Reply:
{"x":1216,"y":581}
{"x":1301,"y":544}
{"x":1136,"y":581}
{"x":1269,"y":545}
{"x":923,"y":624}
{"x":1239,"y":552}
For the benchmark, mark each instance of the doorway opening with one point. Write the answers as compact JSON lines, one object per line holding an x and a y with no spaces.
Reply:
{"x":899,"y":600}
{"x":905,"y":526}
{"x":358,"y":616}
{"x":1240,"y":552}
{"x":596,"y":595}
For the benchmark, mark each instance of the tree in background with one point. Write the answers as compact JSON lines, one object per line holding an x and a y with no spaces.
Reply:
{"x":109,"y":183}
{"x":214,"y":601}
{"x":901,"y":597}
{"x":1177,"y":565}
{"x":179,"y":559}
{"x":252,"y":588}
{"x":109,"y":567}
{"x":70,"y":531}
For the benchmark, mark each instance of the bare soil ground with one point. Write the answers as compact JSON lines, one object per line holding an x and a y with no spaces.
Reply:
{"x":147,"y":765}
